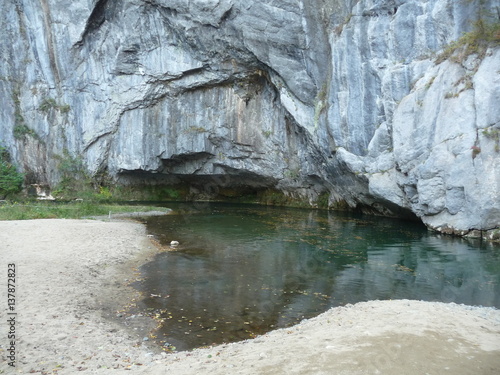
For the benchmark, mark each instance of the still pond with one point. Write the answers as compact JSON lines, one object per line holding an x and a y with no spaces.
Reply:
{"x":243,"y":270}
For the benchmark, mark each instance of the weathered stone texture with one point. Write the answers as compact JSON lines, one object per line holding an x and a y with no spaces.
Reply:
{"x":304,"y":96}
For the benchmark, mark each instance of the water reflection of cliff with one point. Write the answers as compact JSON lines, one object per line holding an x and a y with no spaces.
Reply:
{"x":242,"y":271}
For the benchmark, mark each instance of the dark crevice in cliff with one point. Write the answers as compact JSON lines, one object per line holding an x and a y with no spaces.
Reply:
{"x":95,"y":20}
{"x":383,"y":10}
{"x":234,"y":184}
{"x":237,"y":179}
{"x":96,"y":139}
{"x":227,"y":14}
{"x":388,"y":209}
{"x":51,"y":47}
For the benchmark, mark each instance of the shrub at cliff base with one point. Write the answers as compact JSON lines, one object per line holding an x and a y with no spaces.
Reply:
{"x":11,"y":181}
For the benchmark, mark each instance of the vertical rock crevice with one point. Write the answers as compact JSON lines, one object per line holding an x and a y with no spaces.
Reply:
{"x":52,"y":48}
{"x":94,"y":21}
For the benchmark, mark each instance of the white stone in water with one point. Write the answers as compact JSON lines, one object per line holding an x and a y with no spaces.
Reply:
{"x":174,"y":243}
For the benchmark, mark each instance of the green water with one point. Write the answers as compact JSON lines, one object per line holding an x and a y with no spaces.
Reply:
{"x":241,"y":271}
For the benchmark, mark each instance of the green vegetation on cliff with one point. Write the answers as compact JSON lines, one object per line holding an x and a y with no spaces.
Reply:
{"x":477,"y":41}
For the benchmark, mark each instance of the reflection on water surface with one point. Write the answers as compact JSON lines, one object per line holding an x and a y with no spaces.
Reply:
{"x":240,"y":271}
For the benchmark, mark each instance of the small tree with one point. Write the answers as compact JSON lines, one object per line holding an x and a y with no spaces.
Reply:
{"x":11,"y":181}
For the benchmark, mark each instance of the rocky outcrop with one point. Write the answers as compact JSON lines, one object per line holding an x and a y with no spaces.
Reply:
{"x":342,"y":97}
{"x":427,"y":142}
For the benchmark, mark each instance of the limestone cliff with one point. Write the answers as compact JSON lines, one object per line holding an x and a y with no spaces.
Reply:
{"x":309,"y":97}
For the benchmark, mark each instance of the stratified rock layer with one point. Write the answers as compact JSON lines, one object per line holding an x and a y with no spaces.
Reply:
{"x":307,"y":97}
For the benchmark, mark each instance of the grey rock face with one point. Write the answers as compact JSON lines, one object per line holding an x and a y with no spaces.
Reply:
{"x":306,"y":97}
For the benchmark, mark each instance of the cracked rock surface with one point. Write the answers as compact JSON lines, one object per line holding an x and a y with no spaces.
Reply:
{"x":307,"y":97}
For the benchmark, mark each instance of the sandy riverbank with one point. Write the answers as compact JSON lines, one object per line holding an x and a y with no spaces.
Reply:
{"x":71,"y":276}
